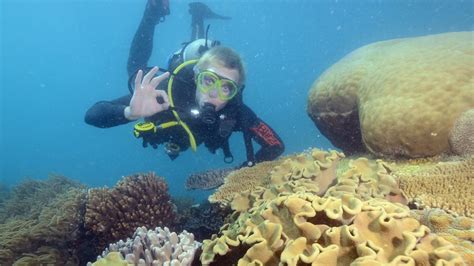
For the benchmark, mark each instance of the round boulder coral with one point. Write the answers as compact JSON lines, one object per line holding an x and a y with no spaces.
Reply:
{"x":396,"y":98}
{"x":461,"y":138}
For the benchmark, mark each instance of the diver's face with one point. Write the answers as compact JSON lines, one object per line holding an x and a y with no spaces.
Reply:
{"x":212,"y":96}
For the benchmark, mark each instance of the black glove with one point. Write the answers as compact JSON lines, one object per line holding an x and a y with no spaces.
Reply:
{"x":149,"y":138}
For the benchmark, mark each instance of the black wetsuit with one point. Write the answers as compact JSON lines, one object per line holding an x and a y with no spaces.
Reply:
{"x":236,"y":116}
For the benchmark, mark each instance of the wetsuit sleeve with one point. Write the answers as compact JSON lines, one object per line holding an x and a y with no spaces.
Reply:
{"x":106,"y":114}
{"x":271,"y":144}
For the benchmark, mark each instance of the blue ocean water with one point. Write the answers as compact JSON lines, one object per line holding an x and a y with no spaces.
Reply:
{"x":60,"y":57}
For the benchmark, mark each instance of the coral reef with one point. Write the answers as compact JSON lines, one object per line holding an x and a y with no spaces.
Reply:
{"x":461,"y":137}
{"x":389,"y":97}
{"x":321,"y":208}
{"x":47,"y":230}
{"x":367,"y":179}
{"x":27,"y":199}
{"x":317,"y":207}
{"x":152,"y":247}
{"x":243,"y":179}
{"x":112,"y":259}
{"x":316,"y":166}
{"x":312,"y":171}
{"x":208,"y":179}
{"x":458,"y":230}
{"x":316,"y":169}
{"x":305,"y":228}
{"x":137,"y":200}
{"x":46,"y":256}
{"x":432,"y":185}
{"x":203,"y":219}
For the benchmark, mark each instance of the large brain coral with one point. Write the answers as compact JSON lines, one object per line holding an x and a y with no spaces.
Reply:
{"x":461,"y":138}
{"x":399,"y":97}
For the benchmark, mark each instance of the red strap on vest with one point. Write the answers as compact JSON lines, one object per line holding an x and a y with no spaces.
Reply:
{"x":265,"y":133}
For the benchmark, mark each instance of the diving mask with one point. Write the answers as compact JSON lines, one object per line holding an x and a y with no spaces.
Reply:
{"x":208,"y":80}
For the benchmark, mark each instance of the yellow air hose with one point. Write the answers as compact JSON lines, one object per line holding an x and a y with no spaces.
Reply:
{"x":192,"y":140}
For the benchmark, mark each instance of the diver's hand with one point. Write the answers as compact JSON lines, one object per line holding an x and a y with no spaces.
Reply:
{"x":144,"y":100}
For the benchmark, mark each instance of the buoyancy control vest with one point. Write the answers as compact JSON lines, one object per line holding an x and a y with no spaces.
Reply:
{"x":184,"y":113}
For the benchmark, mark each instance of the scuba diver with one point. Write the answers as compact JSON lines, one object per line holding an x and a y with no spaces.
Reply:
{"x":198,"y":98}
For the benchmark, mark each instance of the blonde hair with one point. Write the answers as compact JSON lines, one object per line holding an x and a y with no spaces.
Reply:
{"x":223,"y":56}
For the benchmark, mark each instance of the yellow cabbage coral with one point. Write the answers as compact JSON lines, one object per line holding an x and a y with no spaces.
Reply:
{"x":243,"y":179}
{"x":458,"y":230}
{"x":367,"y":179}
{"x":313,"y":171}
{"x":304,"y":228}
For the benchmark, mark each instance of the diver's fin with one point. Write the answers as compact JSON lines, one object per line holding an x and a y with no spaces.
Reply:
{"x":157,"y":10}
{"x":200,"y":11}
